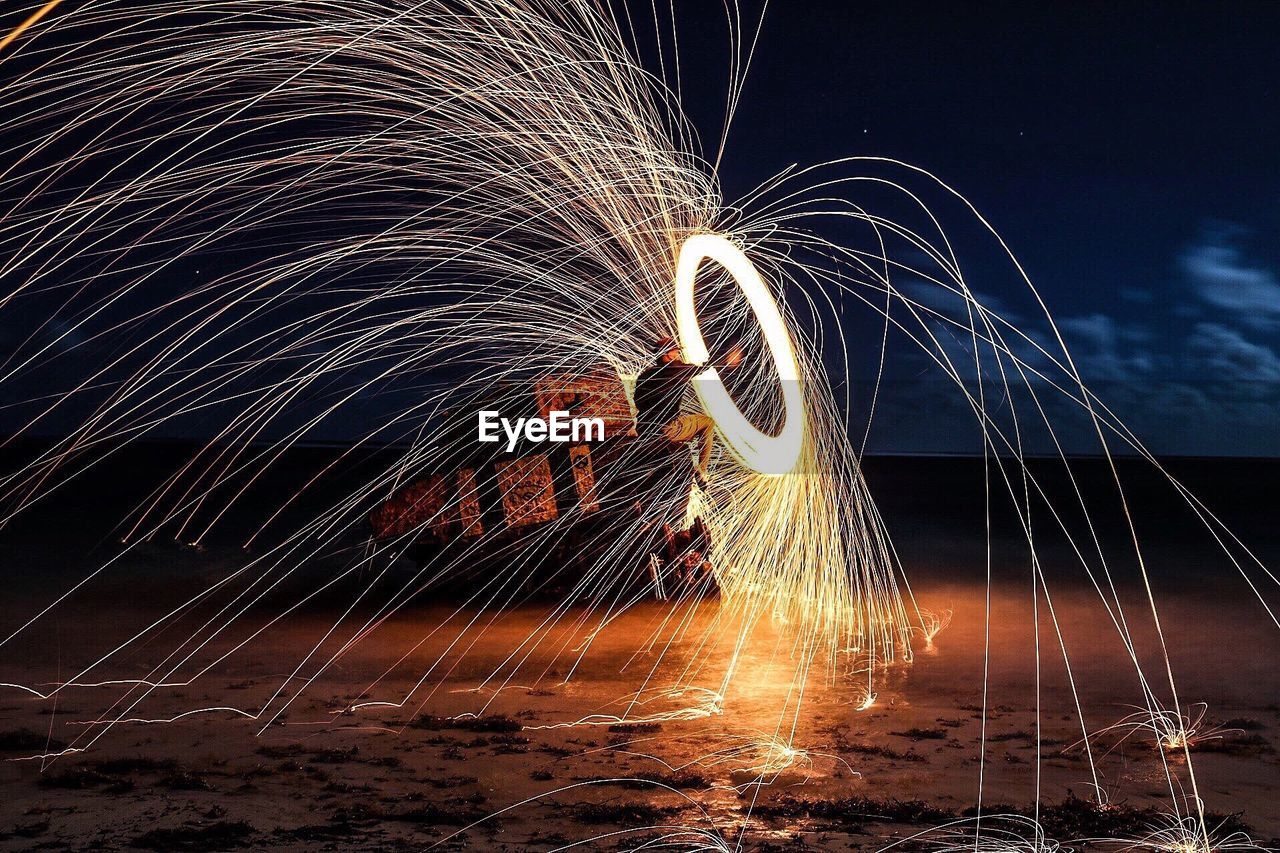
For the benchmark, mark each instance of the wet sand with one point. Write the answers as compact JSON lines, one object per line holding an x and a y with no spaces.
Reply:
{"x":408,"y":777}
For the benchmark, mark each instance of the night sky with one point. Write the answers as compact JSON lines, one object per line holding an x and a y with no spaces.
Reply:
{"x":1127,"y":153}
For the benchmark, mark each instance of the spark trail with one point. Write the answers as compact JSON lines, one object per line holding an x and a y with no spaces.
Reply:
{"x":253,"y":220}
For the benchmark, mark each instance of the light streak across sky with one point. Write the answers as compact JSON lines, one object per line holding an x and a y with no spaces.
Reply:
{"x":267,"y":214}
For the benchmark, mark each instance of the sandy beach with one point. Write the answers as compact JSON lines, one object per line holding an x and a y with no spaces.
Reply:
{"x":482,"y":755}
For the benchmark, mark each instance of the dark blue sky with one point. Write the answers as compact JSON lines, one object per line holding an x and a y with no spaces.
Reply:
{"x":1128,"y":152}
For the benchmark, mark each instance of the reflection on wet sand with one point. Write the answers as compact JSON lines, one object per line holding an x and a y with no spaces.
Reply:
{"x":534,"y":760}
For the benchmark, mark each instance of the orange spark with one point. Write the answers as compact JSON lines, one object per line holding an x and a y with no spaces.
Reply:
{"x":29,"y":23}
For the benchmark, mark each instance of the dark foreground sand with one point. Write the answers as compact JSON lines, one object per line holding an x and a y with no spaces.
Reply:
{"x":406,"y":778}
{"x":409,"y":777}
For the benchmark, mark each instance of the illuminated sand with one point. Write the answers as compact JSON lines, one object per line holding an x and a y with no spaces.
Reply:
{"x":517,"y":199}
{"x":393,"y":778}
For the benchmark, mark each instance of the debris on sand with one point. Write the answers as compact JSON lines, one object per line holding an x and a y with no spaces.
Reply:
{"x":635,"y":728}
{"x":223,"y":835}
{"x":26,"y":740}
{"x":877,"y":751}
{"x":488,"y":723}
{"x":682,"y":780}
{"x":124,"y":766}
{"x":1074,"y":817}
{"x":460,"y":812}
{"x":852,"y":812}
{"x":84,"y":778}
{"x":186,"y":781}
{"x":621,"y":814}
{"x":922,"y":734}
{"x":317,"y":832}
{"x":1250,"y":743}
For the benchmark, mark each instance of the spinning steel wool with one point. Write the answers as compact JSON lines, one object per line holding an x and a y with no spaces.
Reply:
{"x":253,"y":220}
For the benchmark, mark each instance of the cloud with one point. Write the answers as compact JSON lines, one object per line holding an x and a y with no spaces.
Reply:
{"x":952,"y":304}
{"x":1103,"y":348}
{"x":1223,"y":278}
{"x":1229,"y":357}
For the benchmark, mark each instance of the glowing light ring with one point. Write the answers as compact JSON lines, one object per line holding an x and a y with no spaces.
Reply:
{"x":767,"y":454}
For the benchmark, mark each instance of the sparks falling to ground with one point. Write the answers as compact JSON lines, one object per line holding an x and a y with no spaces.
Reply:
{"x":249,"y":220}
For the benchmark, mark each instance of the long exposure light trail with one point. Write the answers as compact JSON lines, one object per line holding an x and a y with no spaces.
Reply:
{"x":766,"y":454}
{"x":249,"y":220}
{"x":27,"y":24}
